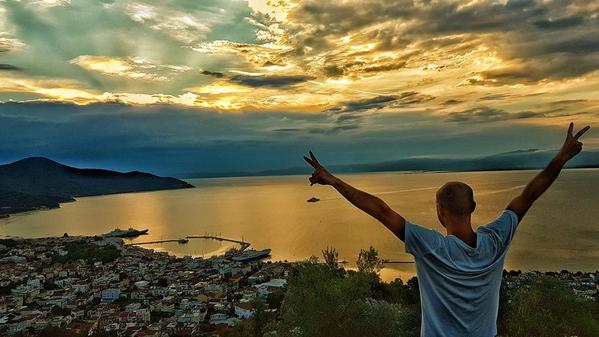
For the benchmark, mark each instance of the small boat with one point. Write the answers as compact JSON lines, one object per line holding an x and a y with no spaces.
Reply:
{"x":252,"y":254}
{"x":129,"y":233}
{"x":183,"y":241}
{"x":313,"y":199}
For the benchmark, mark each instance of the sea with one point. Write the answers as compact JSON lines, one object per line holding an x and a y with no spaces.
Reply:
{"x":561,"y":231}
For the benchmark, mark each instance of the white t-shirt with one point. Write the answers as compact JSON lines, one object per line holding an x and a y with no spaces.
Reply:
{"x":459,"y":284}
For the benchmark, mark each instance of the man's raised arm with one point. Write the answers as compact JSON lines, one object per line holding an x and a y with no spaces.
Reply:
{"x":368,"y":203}
{"x":541,"y":182}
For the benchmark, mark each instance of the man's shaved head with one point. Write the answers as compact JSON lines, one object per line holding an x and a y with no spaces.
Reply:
{"x":456,"y":198}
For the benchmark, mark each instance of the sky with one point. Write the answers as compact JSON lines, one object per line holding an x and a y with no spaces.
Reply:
{"x":180,"y":87}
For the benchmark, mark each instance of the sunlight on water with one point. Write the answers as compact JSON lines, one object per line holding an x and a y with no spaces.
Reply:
{"x":560,"y":232}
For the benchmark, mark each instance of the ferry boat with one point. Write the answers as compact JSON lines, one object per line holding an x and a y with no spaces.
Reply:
{"x":252,"y":254}
{"x":129,"y":233}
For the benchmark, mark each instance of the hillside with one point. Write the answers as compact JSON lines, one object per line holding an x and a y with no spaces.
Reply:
{"x":37,"y":182}
{"x":514,"y":160}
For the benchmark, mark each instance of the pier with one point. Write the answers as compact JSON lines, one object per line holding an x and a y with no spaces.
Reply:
{"x":244,"y":245}
{"x":182,"y":241}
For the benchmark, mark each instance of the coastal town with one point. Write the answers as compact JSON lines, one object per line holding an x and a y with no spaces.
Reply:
{"x":93,"y":285}
{"x":86,"y":286}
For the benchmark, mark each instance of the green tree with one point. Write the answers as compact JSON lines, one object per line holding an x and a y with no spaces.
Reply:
{"x":369,"y":261}
{"x":322,"y":302}
{"x":547,"y":307}
{"x":331,"y":258}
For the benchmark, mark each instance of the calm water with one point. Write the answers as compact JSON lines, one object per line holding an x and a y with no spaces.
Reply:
{"x":560,"y":232}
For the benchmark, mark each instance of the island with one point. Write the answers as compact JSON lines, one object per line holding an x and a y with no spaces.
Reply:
{"x":40,"y":183}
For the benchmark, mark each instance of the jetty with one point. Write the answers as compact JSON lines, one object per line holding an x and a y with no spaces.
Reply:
{"x":182,"y":241}
{"x":244,"y":245}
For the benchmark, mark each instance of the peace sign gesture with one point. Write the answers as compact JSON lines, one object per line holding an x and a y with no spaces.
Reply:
{"x":572,"y":146}
{"x":321,"y":175}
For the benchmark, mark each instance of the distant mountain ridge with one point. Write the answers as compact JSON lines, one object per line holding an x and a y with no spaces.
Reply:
{"x":39,"y":182}
{"x":512,"y":160}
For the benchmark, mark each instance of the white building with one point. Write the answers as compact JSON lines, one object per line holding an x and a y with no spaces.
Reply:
{"x":110,"y":295}
{"x":243,"y":310}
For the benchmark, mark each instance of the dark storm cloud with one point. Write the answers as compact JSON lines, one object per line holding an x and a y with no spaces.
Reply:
{"x":213,"y":73}
{"x":381,"y":101}
{"x":364,"y":104}
{"x":487,"y":114}
{"x":560,"y":23}
{"x":143,"y":136}
{"x":9,"y":67}
{"x":349,"y":115}
{"x":287,"y":130}
{"x":530,"y":71}
{"x":567,"y":102}
{"x":272,"y":81}
{"x":347,"y":68}
{"x":176,"y":140}
{"x":452,"y":101}
{"x":495,"y":97}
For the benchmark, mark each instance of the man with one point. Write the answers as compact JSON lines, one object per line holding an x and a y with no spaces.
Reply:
{"x":459,"y":274}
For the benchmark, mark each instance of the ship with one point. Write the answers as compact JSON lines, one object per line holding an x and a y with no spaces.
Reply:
{"x":129,"y":233}
{"x":252,"y":254}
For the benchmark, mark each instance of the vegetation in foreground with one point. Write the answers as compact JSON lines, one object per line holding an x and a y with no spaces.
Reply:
{"x":325,"y":300}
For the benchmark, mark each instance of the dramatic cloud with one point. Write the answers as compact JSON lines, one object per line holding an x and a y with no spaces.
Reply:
{"x":135,"y":68}
{"x":486,"y":114}
{"x":168,"y":78}
{"x":274,"y":81}
{"x":213,"y":73}
{"x":166,"y":139}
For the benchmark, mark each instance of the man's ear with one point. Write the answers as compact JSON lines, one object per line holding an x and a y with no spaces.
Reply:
{"x":473,"y":205}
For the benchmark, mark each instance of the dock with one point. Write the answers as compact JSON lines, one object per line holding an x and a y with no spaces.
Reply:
{"x":182,"y":241}
{"x":244,"y":245}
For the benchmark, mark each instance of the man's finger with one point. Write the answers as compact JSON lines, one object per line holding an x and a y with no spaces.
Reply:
{"x":570,"y":129}
{"x":581,"y":132}
{"x":314,"y":158}
{"x":310,"y":162}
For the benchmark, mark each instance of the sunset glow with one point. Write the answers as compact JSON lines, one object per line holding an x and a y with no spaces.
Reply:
{"x":356,"y":69}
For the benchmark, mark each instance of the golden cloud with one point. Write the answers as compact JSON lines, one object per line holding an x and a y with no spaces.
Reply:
{"x":131,"y":67}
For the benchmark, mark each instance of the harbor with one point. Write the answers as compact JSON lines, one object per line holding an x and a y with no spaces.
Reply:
{"x":241,"y":254}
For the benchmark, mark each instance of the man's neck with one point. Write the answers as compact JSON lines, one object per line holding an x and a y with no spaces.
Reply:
{"x":462,"y":229}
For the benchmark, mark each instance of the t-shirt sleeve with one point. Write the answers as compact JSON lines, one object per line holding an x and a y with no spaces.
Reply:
{"x":504,"y":227}
{"x":421,"y":240}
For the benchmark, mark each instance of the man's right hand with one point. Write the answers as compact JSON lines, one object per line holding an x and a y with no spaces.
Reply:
{"x":321,"y":175}
{"x":541,"y":182}
{"x":572,"y":146}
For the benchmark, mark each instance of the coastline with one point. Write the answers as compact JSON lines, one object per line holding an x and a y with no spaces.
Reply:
{"x":58,"y":204}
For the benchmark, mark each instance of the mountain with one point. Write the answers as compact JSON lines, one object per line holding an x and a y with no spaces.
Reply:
{"x":38,"y":182}
{"x":513,"y":160}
